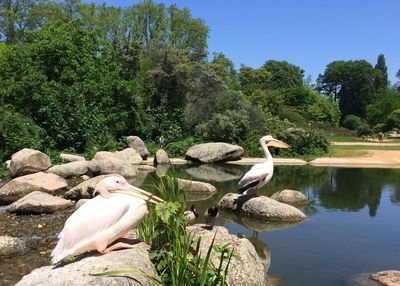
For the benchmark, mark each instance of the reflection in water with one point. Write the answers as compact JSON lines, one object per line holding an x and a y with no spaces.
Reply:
{"x":256,"y":224}
{"x":215,"y":173}
{"x":262,"y":250}
{"x":162,"y":170}
{"x":353,"y":189}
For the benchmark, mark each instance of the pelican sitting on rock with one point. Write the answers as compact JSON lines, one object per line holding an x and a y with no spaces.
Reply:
{"x":260,"y":174}
{"x":103,"y":219}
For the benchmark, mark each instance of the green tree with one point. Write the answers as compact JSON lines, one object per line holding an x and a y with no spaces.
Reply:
{"x":253,"y":79}
{"x":351,"y":83}
{"x":283,"y":74}
{"x":381,"y":77}
{"x":385,"y":103}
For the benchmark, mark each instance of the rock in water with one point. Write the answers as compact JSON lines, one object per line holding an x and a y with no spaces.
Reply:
{"x":112,"y":166}
{"x":262,"y":207}
{"x":39,"y":203}
{"x":136,"y":143}
{"x":78,"y":273}
{"x":161,"y":158}
{"x":195,"y":186}
{"x":214,"y":152}
{"x":388,"y":277}
{"x":21,"y":186}
{"x":72,"y":169}
{"x":246,"y":268}
{"x":290,"y":197}
{"x":28,"y":161}
{"x":11,"y":245}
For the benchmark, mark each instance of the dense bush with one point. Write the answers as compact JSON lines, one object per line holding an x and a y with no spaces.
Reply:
{"x":179,"y":148}
{"x":17,"y":132}
{"x":353,"y":122}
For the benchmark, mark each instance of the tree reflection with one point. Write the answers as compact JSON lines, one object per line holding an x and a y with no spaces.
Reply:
{"x":354,"y":189}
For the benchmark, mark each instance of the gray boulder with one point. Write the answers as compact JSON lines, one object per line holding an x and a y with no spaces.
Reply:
{"x":71,"y":158}
{"x":21,"y":186}
{"x":161,"y":158}
{"x":246,"y":268}
{"x":78,"y":273}
{"x":214,"y":152}
{"x":195,"y":186}
{"x":112,"y":165}
{"x":11,"y":245}
{"x":215,"y":173}
{"x":85,"y":190}
{"x":72,"y":169}
{"x":130,"y":155}
{"x":136,"y":143}
{"x":290,"y":197}
{"x":262,"y":207}
{"x":39,"y":203}
{"x":28,"y":161}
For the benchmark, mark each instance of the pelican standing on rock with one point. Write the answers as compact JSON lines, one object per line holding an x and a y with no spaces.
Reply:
{"x":103,"y":219}
{"x":260,"y":174}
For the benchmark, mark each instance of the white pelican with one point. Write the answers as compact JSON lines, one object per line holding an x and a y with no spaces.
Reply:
{"x":261,"y":173}
{"x":210,"y":215}
{"x":102,"y":220}
{"x":192,"y":214}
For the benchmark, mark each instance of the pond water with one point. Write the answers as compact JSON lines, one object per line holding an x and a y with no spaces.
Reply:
{"x":352,"y":225}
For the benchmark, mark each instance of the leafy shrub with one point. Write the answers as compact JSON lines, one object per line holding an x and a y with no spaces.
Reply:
{"x":293,"y":115}
{"x":393,"y":120}
{"x":230,"y":126}
{"x":179,"y":148}
{"x":353,"y":122}
{"x":17,"y":132}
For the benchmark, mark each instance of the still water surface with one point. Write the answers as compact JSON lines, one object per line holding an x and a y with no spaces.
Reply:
{"x":353,"y":223}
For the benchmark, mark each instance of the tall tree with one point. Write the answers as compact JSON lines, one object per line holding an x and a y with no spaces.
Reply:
{"x":381,"y":78}
{"x":283,"y":74}
{"x":352,"y":83}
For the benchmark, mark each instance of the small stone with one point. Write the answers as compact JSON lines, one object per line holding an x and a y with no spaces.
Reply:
{"x":39,"y":226}
{"x":290,"y":197}
{"x":11,"y":245}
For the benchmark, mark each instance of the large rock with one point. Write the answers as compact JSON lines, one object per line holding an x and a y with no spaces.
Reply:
{"x":388,"y":277}
{"x":21,"y":186}
{"x":262,"y":207}
{"x":161,"y":158}
{"x":246,"y":268}
{"x":39,"y":203}
{"x":28,"y":161}
{"x":72,"y":169}
{"x":11,"y":245}
{"x":71,"y":158}
{"x":385,"y":278}
{"x":195,"y":186}
{"x":216,"y":173}
{"x":78,"y":273}
{"x":214,"y":152}
{"x":130,"y":155}
{"x":85,"y":190}
{"x":112,"y":165}
{"x":136,"y":143}
{"x":290,"y":197}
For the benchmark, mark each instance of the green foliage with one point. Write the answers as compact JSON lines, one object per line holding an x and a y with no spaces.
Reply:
{"x":381,"y":77}
{"x":351,"y":83}
{"x":353,"y":122}
{"x":384,"y":104}
{"x":175,"y":253}
{"x":283,"y":74}
{"x":393,"y":120}
{"x":230,"y":126}
{"x":310,"y":142}
{"x":179,"y":148}
{"x":17,"y":132}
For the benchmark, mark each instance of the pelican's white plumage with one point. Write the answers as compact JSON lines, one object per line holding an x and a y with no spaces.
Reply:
{"x":102,"y":220}
{"x":260,"y":174}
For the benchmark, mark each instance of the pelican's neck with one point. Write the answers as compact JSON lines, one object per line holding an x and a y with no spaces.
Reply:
{"x":268,"y":157}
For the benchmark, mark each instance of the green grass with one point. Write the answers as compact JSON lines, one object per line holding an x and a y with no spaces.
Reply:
{"x":342,"y":138}
{"x":357,"y":151}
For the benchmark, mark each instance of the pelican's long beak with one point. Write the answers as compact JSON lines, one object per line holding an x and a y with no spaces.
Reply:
{"x":277,"y":143}
{"x":139,"y":193}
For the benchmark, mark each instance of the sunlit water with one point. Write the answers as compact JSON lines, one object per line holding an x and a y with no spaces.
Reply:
{"x":353,"y":223}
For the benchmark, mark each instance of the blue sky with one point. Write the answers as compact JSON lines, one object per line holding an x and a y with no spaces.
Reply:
{"x":308,"y":33}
